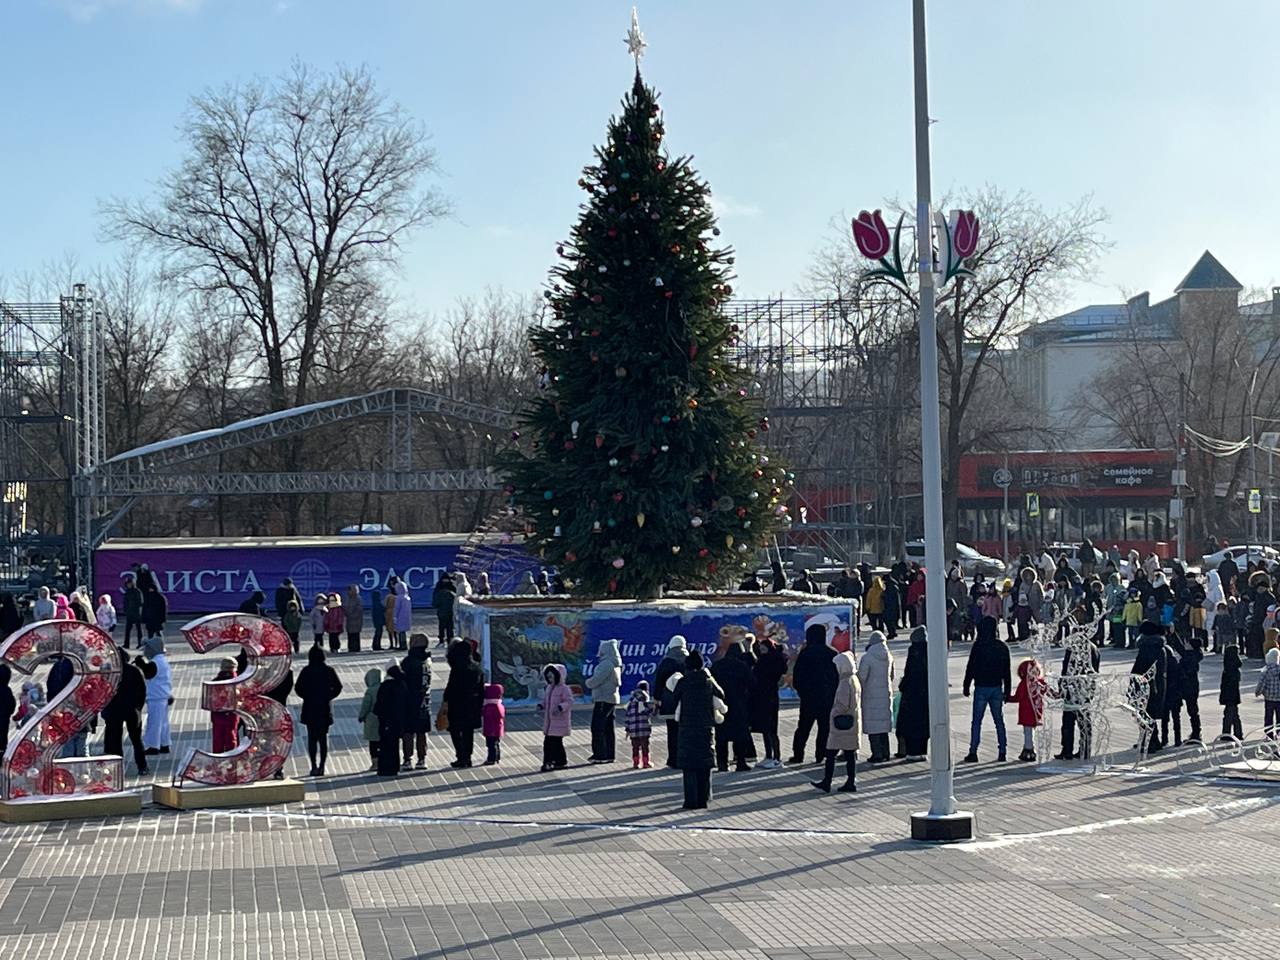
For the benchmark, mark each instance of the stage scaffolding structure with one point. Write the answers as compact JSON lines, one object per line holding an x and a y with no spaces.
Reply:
{"x":808,"y":362}
{"x":52,"y":427}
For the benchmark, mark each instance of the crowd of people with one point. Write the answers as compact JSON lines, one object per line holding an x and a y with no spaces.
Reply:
{"x":714,"y":708}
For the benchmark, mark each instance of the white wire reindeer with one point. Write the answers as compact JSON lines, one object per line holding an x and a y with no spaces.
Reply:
{"x":1137,"y":700}
{"x":1079,"y":688}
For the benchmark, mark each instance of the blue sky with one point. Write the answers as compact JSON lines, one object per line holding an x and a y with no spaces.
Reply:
{"x":1164,"y":110}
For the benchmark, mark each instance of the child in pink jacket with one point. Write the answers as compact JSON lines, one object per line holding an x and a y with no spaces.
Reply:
{"x":335,"y":622}
{"x":557,"y":717}
{"x":493,"y":717}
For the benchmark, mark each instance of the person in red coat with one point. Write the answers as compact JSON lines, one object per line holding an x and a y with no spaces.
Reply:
{"x":1029,"y":696}
{"x":225,"y":738}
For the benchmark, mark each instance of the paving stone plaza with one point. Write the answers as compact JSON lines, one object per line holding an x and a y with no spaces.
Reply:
{"x":600,"y":861}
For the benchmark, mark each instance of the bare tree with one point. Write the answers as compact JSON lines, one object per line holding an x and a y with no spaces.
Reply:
{"x":1025,"y":259}
{"x":287,"y":191}
{"x":140,"y":342}
{"x":1217,"y":371}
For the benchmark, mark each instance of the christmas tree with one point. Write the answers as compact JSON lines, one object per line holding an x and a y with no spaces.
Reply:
{"x":638,"y":465}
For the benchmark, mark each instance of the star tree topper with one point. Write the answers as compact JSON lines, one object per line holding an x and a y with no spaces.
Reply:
{"x":635,"y":39}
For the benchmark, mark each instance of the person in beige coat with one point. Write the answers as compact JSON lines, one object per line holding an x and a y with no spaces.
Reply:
{"x":846,"y":725}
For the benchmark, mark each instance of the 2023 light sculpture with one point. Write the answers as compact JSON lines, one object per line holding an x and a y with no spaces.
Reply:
{"x":268,"y":736}
{"x":32,"y":766}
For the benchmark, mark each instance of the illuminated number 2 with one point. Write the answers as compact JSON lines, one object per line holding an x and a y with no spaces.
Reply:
{"x":31,"y":766}
{"x":265,"y":747}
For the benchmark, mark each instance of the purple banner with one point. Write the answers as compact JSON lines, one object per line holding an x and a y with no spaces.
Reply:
{"x":216,"y":579}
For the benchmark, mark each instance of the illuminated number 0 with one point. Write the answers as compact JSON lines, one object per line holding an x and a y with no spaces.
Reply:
{"x":263,"y":751}
{"x":31,"y":766}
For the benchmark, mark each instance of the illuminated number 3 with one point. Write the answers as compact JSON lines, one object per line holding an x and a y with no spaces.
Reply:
{"x":262,"y":752}
{"x":31,"y":766}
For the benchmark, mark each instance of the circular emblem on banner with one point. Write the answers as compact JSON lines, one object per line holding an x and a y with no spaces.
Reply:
{"x":311,"y":576}
{"x":1003,"y":477}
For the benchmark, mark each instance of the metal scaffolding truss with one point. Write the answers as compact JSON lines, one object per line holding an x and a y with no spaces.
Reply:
{"x":240,"y":484}
{"x":147,"y":471}
{"x":51,"y":415}
{"x":401,"y":404}
{"x":808,"y":359}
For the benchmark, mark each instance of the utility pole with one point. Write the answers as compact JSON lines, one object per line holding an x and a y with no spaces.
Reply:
{"x":1253,"y":467}
{"x":942,"y":822}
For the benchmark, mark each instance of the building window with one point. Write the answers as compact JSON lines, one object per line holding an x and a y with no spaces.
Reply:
{"x":1113,"y":523}
{"x":1135,"y":524}
{"x":1072,"y":531}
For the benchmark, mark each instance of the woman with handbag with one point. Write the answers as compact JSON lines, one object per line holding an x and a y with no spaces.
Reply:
{"x":696,"y":695}
{"x":846,"y":726}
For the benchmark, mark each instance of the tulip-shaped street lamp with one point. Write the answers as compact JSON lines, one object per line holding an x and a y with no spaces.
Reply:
{"x":957,"y":241}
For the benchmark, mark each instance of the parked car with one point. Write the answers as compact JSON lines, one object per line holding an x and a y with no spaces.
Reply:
{"x":971,"y":561}
{"x":1072,"y":552}
{"x":1242,"y":555}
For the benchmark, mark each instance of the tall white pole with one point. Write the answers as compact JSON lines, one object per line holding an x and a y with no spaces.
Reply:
{"x":942,"y":822}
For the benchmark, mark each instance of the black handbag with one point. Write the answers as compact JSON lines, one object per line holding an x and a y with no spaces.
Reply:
{"x":842,"y":721}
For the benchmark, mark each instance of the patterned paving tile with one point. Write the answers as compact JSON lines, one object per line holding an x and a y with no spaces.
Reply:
{"x":627,"y":876}
{"x":311,"y":935}
{"x":916,"y":913}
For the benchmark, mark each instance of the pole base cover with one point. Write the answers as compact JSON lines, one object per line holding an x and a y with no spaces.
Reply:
{"x":948,"y":828}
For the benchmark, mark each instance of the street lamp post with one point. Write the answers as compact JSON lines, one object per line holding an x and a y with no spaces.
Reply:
{"x":942,"y":821}
{"x":957,"y":241}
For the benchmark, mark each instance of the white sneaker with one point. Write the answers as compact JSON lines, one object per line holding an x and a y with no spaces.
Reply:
{"x":420,"y":765}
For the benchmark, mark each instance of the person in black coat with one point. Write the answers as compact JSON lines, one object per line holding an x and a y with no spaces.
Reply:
{"x":913,"y":708}
{"x":814,"y":679}
{"x":444,"y":598}
{"x":318,"y":685}
{"x":670,"y":665}
{"x":695,"y":696}
{"x":1151,"y":652}
{"x":1189,"y":675}
{"x":123,"y":712}
{"x":779,"y":582}
{"x":10,"y":616}
{"x":1227,"y":573}
{"x":891,"y":610}
{"x":990,"y":675}
{"x":132,"y":607}
{"x":155,"y":610}
{"x":1229,"y":694}
{"x":253,"y":604}
{"x":464,"y":700}
{"x":284,"y":593}
{"x":389,"y":707}
{"x":766,"y":675}
{"x":9,"y":706}
{"x":416,"y":667}
{"x":1173,"y":651}
{"x":1261,"y":599}
{"x":733,"y":673}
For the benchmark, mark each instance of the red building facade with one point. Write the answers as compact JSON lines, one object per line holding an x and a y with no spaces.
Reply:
{"x":1113,"y":497}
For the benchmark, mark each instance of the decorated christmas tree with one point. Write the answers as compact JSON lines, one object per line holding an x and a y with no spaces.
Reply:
{"x":639,"y":465}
